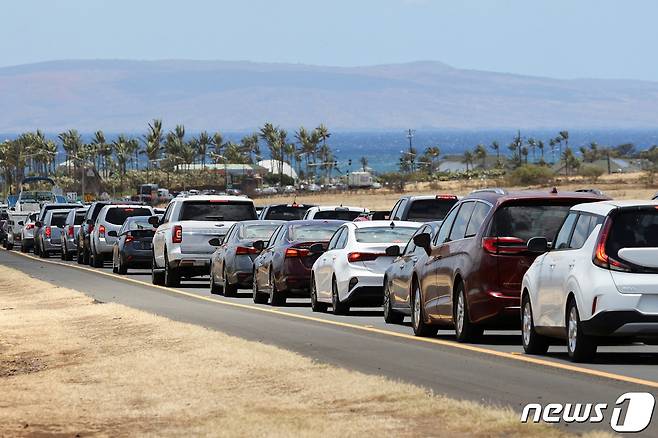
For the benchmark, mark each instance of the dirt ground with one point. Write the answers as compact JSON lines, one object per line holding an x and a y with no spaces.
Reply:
{"x":617,"y":186}
{"x":72,"y":366}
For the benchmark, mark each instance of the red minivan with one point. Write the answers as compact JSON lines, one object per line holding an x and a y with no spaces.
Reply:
{"x":470,"y":276}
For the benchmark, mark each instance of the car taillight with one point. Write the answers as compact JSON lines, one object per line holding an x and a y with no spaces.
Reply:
{"x":129,"y":238}
{"x":504,"y":245}
{"x":101,"y":230}
{"x":47,"y":232}
{"x":453,"y":197}
{"x":601,"y":258}
{"x":363,"y":256}
{"x":69,"y":231}
{"x":177,"y":234}
{"x":297,"y":252}
{"x":244,"y":250}
{"x":29,"y":226}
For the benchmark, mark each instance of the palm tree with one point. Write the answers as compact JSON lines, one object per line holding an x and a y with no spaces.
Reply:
{"x":564,"y":136}
{"x":495,"y":146}
{"x":250,"y":146}
{"x":481,"y":154}
{"x":153,"y":144}
{"x":433,"y":153}
{"x":122,"y":153}
{"x":202,"y":143}
{"x":467,"y":159}
{"x":570,"y":161}
{"x":532,"y":144}
{"x":71,"y":142}
{"x":540,"y":146}
{"x":552,"y":144}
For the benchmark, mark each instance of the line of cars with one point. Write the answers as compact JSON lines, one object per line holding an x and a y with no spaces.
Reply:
{"x":572,"y":267}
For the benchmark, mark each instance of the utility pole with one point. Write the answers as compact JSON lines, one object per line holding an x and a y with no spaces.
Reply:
{"x":412,"y":156}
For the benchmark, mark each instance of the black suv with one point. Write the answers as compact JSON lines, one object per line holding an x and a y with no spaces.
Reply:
{"x":82,"y":239}
{"x":422,"y":208}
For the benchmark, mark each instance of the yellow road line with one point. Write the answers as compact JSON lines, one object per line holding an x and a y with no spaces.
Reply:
{"x":367,"y":328}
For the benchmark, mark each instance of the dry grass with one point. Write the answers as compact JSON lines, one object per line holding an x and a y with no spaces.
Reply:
{"x":617,"y":186}
{"x":70,"y":365}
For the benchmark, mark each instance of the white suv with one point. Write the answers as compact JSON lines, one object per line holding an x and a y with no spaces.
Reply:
{"x":334,"y":212}
{"x":598,"y":280}
{"x":181,"y":245}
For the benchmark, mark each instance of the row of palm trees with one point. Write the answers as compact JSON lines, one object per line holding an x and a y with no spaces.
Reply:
{"x":171,"y":151}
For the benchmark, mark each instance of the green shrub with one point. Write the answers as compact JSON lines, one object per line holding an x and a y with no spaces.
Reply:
{"x":531,"y":174}
{"x":591,"y":172}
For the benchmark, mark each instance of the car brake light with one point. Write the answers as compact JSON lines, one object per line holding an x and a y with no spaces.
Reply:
{"x":297,"y":252}
{"x":48,"y":232}
{"x":601,"y":258}
{"x":101,"y":230}
{"x":128,"y":209}
{"x":363,"y":256}
{"x":69,"y":231}
{"x":446,"y":197}
{"x":129,"y":238}
{"x":29,"y":226}
{"x":244,"y":250}
{"x":177,"y":234}
{"x":504,"y":245}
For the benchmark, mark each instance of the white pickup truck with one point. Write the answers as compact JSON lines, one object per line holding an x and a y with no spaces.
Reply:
{"x":180,"y":243}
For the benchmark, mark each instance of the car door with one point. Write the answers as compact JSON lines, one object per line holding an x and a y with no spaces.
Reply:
{"x":449,"y":260}
{"x":219,"y":256}
{"x":265,"y":258}
{"x":430,"y":264}
{"x":546,"y":305}
{"x":323,"y":269}
{"x":160,"y":236}
{"x":403,"y":269}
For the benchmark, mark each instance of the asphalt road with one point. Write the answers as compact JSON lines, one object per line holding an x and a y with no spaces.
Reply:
{"x":494,"y":371}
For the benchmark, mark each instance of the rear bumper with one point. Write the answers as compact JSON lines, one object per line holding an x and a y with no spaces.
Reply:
{"x":622,"y":323}
{"x":496,"y":309}
{"x":366,"y":296}
{"x":52,"y":245}
{"x":136,"y":258}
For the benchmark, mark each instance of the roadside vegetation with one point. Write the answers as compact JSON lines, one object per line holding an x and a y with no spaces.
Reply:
{"x":111,"y":370}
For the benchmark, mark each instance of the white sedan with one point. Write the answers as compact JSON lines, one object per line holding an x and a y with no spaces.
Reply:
{"x":597,"y":283}
{"x":351,"y":271}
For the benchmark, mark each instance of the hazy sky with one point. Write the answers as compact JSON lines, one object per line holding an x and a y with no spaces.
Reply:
{"x":557,"y":38}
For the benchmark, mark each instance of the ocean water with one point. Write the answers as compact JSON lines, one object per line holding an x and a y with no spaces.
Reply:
{"x":383,"y":148}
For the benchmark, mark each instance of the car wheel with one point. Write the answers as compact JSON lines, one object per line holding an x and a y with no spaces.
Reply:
{"x":122,"y":269}
{"x":465,"y":330}
{"x":171,"y":276}
{"x":316,"y":305}
{"x":96,"y":260}
{"x":24,"y":248}
{"x":79,"y":256}
{"x":86,"y":257}
{"x":420,"y":327}
{"x":215,"y":288}
{"x":390,"y":315}
{"x":157,"y":277}
{"x":337,"y":307}
{"x":258,"y":297}
{"x":230,"y":290}
{"x":533,"y":343}
{"x":114,"y":266}
{"x":9,"y":246}
{"x":581,"y":348}
{"x":276,"y":298}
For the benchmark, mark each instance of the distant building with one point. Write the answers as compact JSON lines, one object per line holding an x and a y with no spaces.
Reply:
{"x":276,"y":167}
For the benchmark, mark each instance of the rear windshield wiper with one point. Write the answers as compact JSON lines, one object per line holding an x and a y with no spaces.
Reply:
{"x":217,"y":218}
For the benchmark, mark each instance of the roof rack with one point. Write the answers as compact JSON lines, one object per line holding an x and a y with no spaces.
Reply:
{"x":496,"y":190}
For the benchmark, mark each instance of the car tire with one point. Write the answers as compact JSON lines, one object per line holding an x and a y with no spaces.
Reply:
{"x":9,"y":246}
{"x":533,"y":343}
{"x":337,"y":307}
{"x":23,"y":248}
{"x":581,"y":348}
{"x":171,"y":276}
{"x":230,"y":290}
{"x":96,"y":260}
{"x":257,"y":296}
{"x":62,"y":254}
{"x":157,"y":277}
{"x":276,"y":298}
{"x":316,"y":306}
{"x":390,"y":315}
{"x":79,"y":256}
{"x":418,"y":324}
{"x":215,"y":288}
{"x":86,"y":257}
{"x":465,"y":330}
{"x":122,"y":269}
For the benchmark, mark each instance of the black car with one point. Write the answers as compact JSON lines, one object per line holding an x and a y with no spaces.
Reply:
{"x":423,"y":208}
{"x":232,"y":264}
{"x":284,"y":212}
{"x":133,"y":248}
{"x":82,"y":241}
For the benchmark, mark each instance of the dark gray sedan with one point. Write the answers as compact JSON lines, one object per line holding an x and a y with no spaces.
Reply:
{"x":231,"y":265}
{"x":397,"y":279}
{"x":134,"y":245}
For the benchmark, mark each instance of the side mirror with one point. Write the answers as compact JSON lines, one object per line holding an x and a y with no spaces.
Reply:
{"x":538,"y":245}
{"x":154,"y":220}
{"x":316,"y":248}
{"x":259,"y":245}
{"x":424,"y":240}
{"x":112,"y":233}
{"x":38,"y":224}
{"x":393,"y":251}
{"x":214,"y":241}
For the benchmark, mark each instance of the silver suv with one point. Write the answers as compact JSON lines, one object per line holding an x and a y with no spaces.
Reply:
{"x":180,"y":244}
{"x":74,"y":221}
{"x":48,"y":238}
{"x":111,"y":218}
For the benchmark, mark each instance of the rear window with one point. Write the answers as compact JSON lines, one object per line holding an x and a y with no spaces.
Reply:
{"x":79,"y":218}
{"x":312,"y":232}
{"x":384,"y":234}
{"x":118,"y":215}
{"x":529,"y":220}
{"x":285,"y":213}
{"x":217,"y":211}
{"x":96,"y":210}
{"x":258,"y":232}
{"x":633,"y":229}
{"x":341,"y":215}
{"x":58,"y":219}
{"x":428,"y":210}
{"x":140,"y":224}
